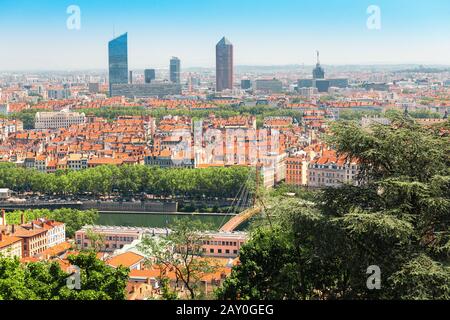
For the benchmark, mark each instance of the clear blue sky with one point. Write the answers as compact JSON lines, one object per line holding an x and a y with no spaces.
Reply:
{"x":34,"y":35}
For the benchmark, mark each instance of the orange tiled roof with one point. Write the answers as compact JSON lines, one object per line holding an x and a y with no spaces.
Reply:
{"x":127,"y":259}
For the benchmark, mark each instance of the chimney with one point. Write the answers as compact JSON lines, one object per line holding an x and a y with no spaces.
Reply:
{"x":13,"y":229}
{"x":3,"y":217}
{"x":22,"y":218}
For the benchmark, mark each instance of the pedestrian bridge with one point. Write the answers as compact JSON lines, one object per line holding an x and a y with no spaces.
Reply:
{"x":239,"y":219}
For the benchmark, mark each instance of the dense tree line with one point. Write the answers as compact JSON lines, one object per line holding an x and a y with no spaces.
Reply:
{"x":47,"y":281}
{"x":359,"y":114}
{"x":399,"y":222}
{"x":74,"y":219}
{"x":128,"y":180}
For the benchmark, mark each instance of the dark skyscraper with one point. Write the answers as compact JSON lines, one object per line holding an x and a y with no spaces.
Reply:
{"x":149,"y":75}
{"x":318,"y":72}
{"x":118,"y":61}
{"x":246,"y":84}
{"x":224,"y":65}
{"x":175,"y":69}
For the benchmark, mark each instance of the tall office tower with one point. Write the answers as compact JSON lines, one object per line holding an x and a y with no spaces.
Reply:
{"x":118,"y":61}
{"x":149,"y":75}
{"x":318,"y":72}
{"x":224,"y":65}
{"x":131,"y":77}
{"x":246,"y":84}
{"x":175,"y":69}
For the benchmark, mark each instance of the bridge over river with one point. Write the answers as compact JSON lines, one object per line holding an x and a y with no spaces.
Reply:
{"x":239,"y":219}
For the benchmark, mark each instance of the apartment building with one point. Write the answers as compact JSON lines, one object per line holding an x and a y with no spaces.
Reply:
{"x":330,"y":171}
{"x":10,"y":246}
{"x":297,"y":171}
{"x":56,"y":231}
{"x":40,"y":163}
{"x":8,"y":127}
{"x":34,"y":240}
{"x":35,"y":236}
{"x":114,"y":238}
{"x":223,"y":244}
{"x":57,"y":120}
{"x":77,"y":162}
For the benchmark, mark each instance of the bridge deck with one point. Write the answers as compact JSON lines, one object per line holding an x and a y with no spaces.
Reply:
{"x":239,"y":219}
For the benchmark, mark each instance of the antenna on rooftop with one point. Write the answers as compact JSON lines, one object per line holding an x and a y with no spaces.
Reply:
{"x":318,"y":57}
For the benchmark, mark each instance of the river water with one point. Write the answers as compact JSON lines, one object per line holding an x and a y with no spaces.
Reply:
{"x":157,"y":220}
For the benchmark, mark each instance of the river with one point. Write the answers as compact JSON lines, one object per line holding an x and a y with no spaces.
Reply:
{"x":158,"y":220}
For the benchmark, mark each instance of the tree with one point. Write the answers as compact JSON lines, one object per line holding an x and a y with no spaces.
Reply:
{"x":98,"y":280}
{"x":46,"y":281}
{"x":97,"y":240}
{"x":265,"y":271}
{"x":128,"y":181}
{"x":398,"y":220}
{"x":181,"y":251}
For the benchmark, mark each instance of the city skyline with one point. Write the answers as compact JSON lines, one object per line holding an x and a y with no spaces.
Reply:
{"x":409,"y":34}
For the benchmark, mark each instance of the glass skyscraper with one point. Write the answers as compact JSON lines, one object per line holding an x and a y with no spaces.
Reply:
{"x":175,"y":69}
{"x":224,"y":65}
{"x":149,"y":75}
{"x":118,"y":61}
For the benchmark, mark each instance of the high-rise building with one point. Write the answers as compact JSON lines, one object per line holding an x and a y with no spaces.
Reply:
{"x":318,"y":72}
{"x":246,"y":84}
{"x":305,"y":83}
{"x":224,"y":65}
{"x":149,"y":75}
{"x":175,"y":70}
{"x":322,"y":85}
{"x":118,"y":60}
{"x":58,"y":94}
{"x":269,"y":85}
{"x":339,"y":83}
{"x":131,"y":77}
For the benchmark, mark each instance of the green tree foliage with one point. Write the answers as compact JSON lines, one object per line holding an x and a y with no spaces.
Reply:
{"x":74,"y":219}
{"x":399,"y":221}
{"x":46,"y":281}
{"x":181,"y":251}
{"x":128,"y":180}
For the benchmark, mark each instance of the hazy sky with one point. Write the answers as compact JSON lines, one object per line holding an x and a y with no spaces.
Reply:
{"x":34,"y":35}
